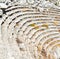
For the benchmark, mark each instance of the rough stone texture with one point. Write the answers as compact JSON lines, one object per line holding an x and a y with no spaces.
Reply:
{"x":30,"y":31}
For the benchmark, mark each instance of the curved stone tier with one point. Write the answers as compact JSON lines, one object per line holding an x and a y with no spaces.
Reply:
{"x":28,"y":33}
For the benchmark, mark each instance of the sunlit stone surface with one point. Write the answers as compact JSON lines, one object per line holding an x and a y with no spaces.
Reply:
{"x":29,"y":29}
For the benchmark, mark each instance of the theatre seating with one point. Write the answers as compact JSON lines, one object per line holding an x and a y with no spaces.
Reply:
{"x":27,"y":33}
